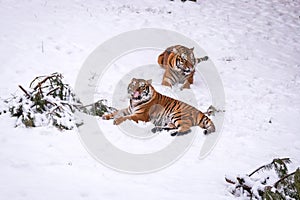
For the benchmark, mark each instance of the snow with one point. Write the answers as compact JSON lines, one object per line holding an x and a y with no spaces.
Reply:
{"x":254,"y":45}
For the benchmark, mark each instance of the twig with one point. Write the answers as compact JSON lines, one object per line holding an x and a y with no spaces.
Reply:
{"x":40,"y":83}
{"x":229,"y":181}
{"x":44,"y":80}
{"x":24,"y":91}
{"x":52,"y":91}
{"x":38,"y":77}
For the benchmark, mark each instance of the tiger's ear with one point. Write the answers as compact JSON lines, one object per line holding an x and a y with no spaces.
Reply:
{"x":133,"y":79}
{"x":192,"y":49}
{"x":149,"y":81}
{"x":174,"y":50}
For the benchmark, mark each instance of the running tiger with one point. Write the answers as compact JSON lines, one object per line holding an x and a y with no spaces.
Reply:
{"x":179,"y":63}
{"x":164,"y":112}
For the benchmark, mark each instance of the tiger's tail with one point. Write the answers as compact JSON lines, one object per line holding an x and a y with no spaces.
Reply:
{"x":204,"y":122}
{"x":198,"y":60}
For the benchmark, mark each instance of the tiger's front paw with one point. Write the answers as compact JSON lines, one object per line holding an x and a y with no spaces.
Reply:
{"x":119,"y":120}
{"x":166,"y":83}
{"x":186,"y":86}
{"x":107,"y":117}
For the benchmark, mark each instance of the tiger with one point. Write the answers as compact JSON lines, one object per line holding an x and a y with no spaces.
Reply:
{"x":166,"y":113}
{"x":179,"y":63}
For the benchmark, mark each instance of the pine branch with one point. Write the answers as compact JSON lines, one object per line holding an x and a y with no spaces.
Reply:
{"x":260,"y":168}
{"x":270,"y":165}
{"x":285,"y":177}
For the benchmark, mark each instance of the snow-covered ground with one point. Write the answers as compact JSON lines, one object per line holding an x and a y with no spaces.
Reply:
{"x":254,"y":45}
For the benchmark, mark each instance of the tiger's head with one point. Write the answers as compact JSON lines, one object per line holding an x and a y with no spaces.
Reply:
{"x":184,"y":60}
{"x":140,"y":90}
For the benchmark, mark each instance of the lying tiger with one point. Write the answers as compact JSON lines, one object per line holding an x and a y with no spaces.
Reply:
{"x":179,"y":63}
{"x":164,"y":112}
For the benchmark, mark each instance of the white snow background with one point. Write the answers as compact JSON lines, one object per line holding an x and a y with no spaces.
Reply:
{"x":254,"y":45}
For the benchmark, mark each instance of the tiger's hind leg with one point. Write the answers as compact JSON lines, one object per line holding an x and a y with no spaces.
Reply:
{"x":156,"y":129}
{"x":169,"y":127}
{"x":183,"y":128}
{"x":177,"y":133}
{"x":166,"y":81}
{"x":177,"y":126}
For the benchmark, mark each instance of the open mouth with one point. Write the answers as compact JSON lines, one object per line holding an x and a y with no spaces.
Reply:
{"x":187,"y":70}
{"x":136,"y":95}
